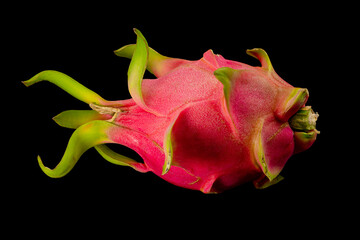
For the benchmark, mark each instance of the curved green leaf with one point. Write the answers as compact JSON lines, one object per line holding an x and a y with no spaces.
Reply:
{"x":262,"y":56}
{"x":157,"y":64}
{"x":68,"y":84}
{"x":119,"y":159}
{"x":85,"y":137}
{"x":75,"y":118}
{"x":137,"y":69}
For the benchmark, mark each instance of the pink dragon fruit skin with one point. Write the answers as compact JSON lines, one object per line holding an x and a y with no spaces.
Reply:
{"x":207,"y":125}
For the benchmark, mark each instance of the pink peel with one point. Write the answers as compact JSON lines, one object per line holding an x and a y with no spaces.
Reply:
{"x":207,"y":125}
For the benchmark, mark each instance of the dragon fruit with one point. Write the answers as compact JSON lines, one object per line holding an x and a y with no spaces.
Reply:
{"x":207,"y":125}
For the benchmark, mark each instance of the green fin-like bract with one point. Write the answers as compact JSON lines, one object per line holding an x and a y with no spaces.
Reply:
{"x":68,"y":84}
{"x":119,"y":159}
{"x":75,"y":118}
{"x":262,"y":56}
{"x":157,"y":64}
{"x":85,"y":137}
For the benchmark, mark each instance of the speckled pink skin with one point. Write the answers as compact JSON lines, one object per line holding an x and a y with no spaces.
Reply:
{"x":213,"y":146}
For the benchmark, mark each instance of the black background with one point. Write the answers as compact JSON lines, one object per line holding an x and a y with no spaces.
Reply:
{"x":80,"y":42}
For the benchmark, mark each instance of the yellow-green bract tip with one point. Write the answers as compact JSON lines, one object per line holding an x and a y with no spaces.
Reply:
{"x":66,"y":83}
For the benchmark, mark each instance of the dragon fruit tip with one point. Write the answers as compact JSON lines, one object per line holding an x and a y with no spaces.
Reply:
{"x":305,"y":120}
